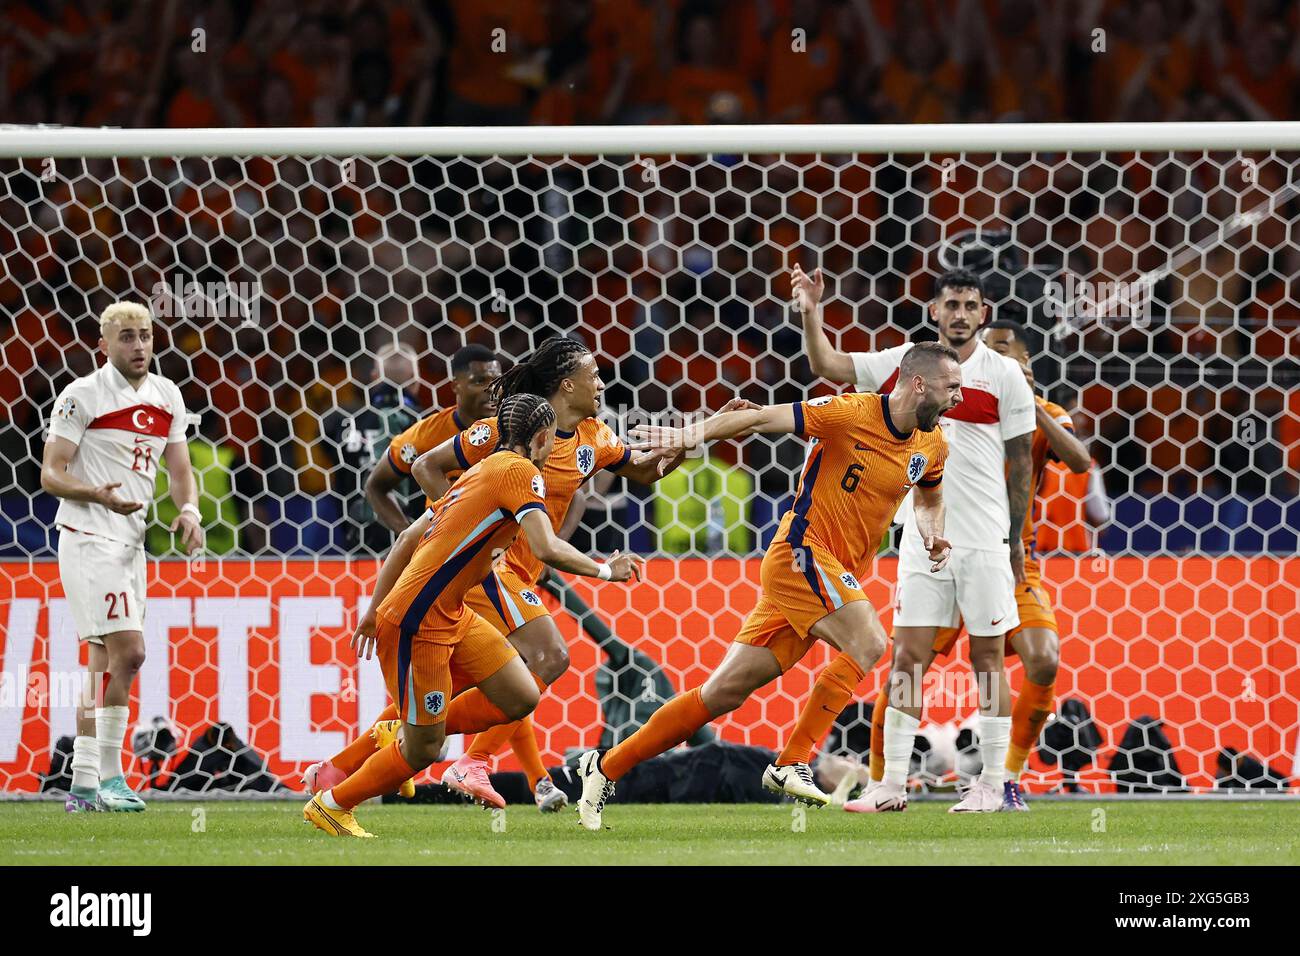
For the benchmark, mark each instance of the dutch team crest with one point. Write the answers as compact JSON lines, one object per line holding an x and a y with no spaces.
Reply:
{"x":586,"y":459}
{"x":434,"y":701}
{"x":479,"y":434}
{"x":916,"y":468}
{"x":849,"y":581}
{"x":530,"y":598}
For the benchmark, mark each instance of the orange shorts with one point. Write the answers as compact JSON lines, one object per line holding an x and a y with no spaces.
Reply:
{"x":423,"y":672}
{"x":506,"y":601}
{"x":1032,"y":602}
{"x":801,"y":585}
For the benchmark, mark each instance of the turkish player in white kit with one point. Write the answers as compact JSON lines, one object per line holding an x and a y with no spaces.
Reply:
{"x":988,"y":490}
{"x":107,"y":433}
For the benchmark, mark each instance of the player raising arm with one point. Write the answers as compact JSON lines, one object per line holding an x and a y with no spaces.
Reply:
{"x":989,"y":437}
{"x":107,"y":433}
{"x":870,"y":451}
{"x":431,"y":645}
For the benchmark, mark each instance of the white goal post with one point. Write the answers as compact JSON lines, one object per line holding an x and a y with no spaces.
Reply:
{"x":1154,"y":266}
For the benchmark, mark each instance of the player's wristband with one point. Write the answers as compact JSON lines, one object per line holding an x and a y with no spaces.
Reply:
{"x":189,"y":508}
{"x":603,"y":571}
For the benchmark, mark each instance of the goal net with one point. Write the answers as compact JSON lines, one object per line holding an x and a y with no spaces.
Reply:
{"x":1154,"y":269}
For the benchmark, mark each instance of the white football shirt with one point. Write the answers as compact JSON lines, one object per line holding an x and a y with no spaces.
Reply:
{"x":120,"y":433}
{"x":997,"y":404}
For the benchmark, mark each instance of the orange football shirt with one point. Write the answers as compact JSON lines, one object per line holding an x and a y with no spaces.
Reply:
{"x":472,"y":525}
{"x":856,"y":474}
{"x":577,"y":455}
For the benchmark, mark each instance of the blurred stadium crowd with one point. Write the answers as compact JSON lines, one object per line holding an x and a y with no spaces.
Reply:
{"x":675,"y":279}
{"x":364,"y":63}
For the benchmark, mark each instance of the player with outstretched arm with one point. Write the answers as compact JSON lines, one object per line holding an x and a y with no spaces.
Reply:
{"x":989,"y":439}
{"x":870,"y":451}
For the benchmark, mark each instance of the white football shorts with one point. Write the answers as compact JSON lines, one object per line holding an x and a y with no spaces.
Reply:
{"x":976,"y":588}
{"x":104,"y":582}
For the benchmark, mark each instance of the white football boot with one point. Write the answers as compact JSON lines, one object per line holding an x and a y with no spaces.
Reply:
{"x":795,"y":780}
{"x":879,"y":797}
{"x":980,"y":798}
{"x":548,"y":797}
{"x":596,"y":789}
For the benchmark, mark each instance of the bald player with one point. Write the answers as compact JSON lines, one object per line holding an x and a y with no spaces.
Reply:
{"x":869,"y":451}
{"x":107,"y":435}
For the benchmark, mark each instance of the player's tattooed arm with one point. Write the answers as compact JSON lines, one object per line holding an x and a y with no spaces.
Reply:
{"x":1064,"y":443}
{"x":928,"y":505}
{"x":430,"y":469}
{"x":550,"y":549}
{"x":363,"y":641}
{"x":824,"y":359}
{"x":380,"y":485}
{"x":1020,"y":469}
{"x":58,"y":481}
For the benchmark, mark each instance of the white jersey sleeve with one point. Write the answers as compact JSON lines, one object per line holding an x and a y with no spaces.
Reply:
{"x":73,"y":412}
{"x":176,"y":433}
{"x":1016,"y":402}
{"x":873,"y":369}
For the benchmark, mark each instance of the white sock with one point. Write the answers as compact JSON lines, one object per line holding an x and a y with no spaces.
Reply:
{"x":995,"y":741}
{"x":85,"y":763}
{"x":110,"y":729}
{"x":900,"y":736}
{"x":327,"y":798}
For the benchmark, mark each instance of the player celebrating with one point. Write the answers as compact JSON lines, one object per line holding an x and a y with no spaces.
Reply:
{"x":989,"y":435}
{"x":431,"y":643}
{"x":473,"y":370}
{"x":565,"y":372}
{"x":870,"y":451}
{"x":108,"y":431}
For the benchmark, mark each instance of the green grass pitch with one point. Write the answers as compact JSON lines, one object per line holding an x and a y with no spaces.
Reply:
{"x":1164,"y":833}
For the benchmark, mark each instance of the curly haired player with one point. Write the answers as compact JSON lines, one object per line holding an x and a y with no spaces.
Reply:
{"x":431,"y":643}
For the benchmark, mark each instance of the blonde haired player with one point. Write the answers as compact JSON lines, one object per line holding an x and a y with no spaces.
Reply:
{"x":107,"y":433}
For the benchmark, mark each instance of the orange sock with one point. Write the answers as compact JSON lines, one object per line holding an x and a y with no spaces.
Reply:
{"x":1032,"y":708}
{"x":492,"y":740}
{"x":351,"y":757}
{"x":470,"y":712}
{"x":830,"y":695}
{"x":382,"y":773}
{"x":524,"y":744}
{"x":668,"y":726}
{"x":878,"y":733}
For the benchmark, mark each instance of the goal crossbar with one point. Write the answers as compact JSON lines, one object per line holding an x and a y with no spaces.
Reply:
{"x":68,"y":143}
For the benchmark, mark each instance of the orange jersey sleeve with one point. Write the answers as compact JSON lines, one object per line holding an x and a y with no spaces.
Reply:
{"x":857,"y":473}
{"x":611,"y":453}
{"x":1041,"y":454}
{"x":471,"y":526}
{"x":476,"y":442}
{"x":426,"y":434}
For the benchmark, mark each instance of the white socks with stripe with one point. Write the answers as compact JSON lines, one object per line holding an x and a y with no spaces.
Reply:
{"x":110,"y":729}
{"x":85,"y":764}
{"x":900,"y":736}
{"x":995,"y":740}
